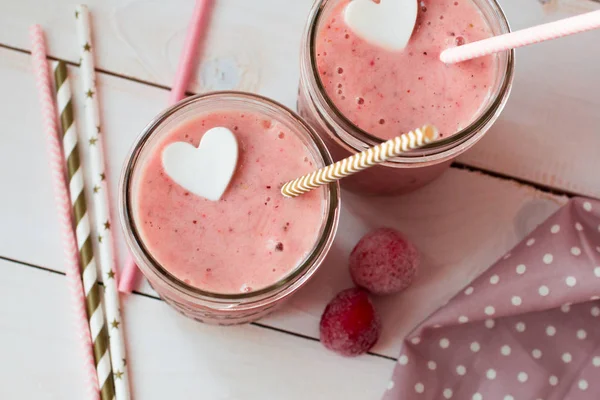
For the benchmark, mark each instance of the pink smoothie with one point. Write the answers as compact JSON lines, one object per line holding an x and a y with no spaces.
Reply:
{"x":386,"y":93}
{"x":251,"y":238}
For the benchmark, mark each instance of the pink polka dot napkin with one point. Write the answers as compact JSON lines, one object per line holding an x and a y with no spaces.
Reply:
{"x":527,"y":329}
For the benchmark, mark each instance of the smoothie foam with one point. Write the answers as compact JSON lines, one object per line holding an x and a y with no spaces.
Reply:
{"x":252,"y":237}
{"x":386,"y":93}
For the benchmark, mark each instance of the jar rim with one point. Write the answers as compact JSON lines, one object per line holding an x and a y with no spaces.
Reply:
{"x":438,"y":150}
{"x":283,"y":287}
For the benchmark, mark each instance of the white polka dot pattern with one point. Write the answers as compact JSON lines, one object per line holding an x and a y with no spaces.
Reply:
{"x":419,"y":388}
{"x":526,"y":328}
{"x":522,"y":377}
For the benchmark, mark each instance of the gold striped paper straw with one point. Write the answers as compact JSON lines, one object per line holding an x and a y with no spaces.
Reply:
{"x":103,"y":239}
{"x":83,"y":234}
{"x":363,"y":160}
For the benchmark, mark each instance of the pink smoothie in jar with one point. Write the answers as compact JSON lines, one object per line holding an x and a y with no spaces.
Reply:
{"x":235,"y":259}
{"x":387,"y":93}
{"x":250,"y":238}
{"x":357,"y":94}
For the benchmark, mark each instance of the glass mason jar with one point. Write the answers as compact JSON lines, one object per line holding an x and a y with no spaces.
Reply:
{"x":416,"y":168}
{"x":216,"y":308}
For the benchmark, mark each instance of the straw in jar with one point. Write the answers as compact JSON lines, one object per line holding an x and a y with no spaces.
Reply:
{"x":360,"y":161}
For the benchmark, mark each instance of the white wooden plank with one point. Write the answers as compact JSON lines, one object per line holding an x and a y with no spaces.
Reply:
{"x":38,"y":349}
{"x":254,"y":46}
{"x":462,"y":222}
{"x":549,"y":132}
{"x":169,"y":356}
{"x":250,"y":46}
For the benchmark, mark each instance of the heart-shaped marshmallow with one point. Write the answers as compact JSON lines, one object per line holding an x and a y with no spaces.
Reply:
{"x":388,"y":23}
{"x":206,"y":170}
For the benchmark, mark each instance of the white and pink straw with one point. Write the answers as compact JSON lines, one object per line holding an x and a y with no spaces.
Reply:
{"x":540,"y":33}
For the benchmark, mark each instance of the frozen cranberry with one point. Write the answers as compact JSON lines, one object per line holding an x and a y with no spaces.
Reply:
{"x":350,"y":325}
{"x":384,"y":262}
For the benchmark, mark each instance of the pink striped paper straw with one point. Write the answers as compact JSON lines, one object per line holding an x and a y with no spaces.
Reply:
{"x":524,"y":37}
{"x":198,"y":26}
{"x":63,"y":205}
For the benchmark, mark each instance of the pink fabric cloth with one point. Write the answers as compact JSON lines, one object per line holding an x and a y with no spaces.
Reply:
{"x":527,"y":329}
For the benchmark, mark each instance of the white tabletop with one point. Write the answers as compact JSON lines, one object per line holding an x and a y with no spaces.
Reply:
{"x":545,"y":146}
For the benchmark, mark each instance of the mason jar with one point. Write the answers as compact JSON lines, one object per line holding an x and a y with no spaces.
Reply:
{"x":192,"y":301}
{"x":414,"y":169}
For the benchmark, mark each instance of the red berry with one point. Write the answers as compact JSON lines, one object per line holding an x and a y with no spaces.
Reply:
{"x":384,"y":262}
{"x":350,"y":325}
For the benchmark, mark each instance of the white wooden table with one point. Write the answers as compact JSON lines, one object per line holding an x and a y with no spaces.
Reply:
{"x":547,"y":138}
